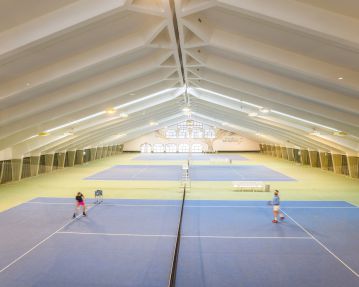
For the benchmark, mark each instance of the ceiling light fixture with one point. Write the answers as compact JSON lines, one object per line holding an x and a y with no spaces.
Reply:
{"x":123,"y":115}
{"x":264,"y":111}
{"x":340,"y":133}
{"x":115,"y":108}
{"x":253,"y":114}
{"x":110,"y":111}
{"x":304,"y":121}
{"x":315,"y":133}
{"x":153,"y":123}
{"x":340,"y":78}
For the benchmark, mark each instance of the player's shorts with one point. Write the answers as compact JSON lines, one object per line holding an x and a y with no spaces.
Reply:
{"x":276,"y":207}
{"x":80,"y":203}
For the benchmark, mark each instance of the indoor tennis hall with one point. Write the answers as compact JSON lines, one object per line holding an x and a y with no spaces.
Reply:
{"x":187,"y":143}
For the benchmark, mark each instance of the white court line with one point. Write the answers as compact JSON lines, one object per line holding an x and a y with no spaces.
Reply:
{"x":322,"y":244}
{"x":269,"y":206}
{"x":107,"y":204}
{"x":183,"y":236}
{"x":198,"y":206}
{"x":41,"y":242}
{"x":116,"y":234}
{"x":246,"y":237}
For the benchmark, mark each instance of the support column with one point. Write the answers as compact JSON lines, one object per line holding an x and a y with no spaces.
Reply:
{"x":323,"y":160}
{"x":278,"y":151}
{"x":353,"y":166}
{"x":337,"y":163}
{"x":34,"y":165}
{"x":313,"y":158}
{"x":16,"y":167}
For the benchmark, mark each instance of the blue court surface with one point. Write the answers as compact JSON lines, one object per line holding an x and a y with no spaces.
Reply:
{"x":223,"y":243}
{"x":196,"y":173}
{"x":187,"y":156}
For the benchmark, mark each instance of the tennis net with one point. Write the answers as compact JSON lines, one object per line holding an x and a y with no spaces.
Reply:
{"x":172,"y":279}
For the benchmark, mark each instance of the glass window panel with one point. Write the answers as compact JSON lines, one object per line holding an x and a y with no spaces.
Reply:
{"x":183,"y":148}
{"x":171,"y":148}
{"x":158,"y":148}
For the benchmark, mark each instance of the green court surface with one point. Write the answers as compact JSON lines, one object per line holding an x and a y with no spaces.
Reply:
{"x":311,"y":183}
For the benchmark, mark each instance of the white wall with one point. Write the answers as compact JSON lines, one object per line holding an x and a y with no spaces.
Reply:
{"x":225,"y":141}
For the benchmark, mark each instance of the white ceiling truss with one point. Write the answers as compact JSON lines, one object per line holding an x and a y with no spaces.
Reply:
{"x":282,"y":71}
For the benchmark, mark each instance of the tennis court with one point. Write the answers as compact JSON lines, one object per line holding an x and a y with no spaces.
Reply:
{"x":197,"y":173}
{"x":223,"y":243}
{"x":185,"y":156}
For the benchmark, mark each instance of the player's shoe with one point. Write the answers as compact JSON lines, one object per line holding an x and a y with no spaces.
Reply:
{"x":84,"y":214}
{"x":275,"y":221}
{"x":74,"y":216}
{"x":282,"y":218}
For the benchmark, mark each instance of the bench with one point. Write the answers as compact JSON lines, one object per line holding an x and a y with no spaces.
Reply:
{"x":250,"y":186}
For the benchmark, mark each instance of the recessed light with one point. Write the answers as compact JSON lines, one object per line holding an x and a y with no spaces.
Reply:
{"x":123,"y":115}
{"x":340,"y":78}
{"x":28,"y":84}
{"x":252,"y":114}
{"x":110,"y":111}
{"x":315,"y":133}
{"x":186,"y":110}
{"x":153,"y":124}
{"x":340,"y":133}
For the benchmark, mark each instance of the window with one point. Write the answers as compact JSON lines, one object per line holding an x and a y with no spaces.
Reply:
{"x":183,"y":148}
{"x":146,"y":148}
{"x":171,"y":134}
{"x":158,"y":148}
{"x":171,"y":148}
{"x":197,"y":148}
{"x":197,"y":125}
{"x":182,"y":125}
{"x":182,"y":134}
{"x":209,"y":134}
{"x":197,"y":134}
